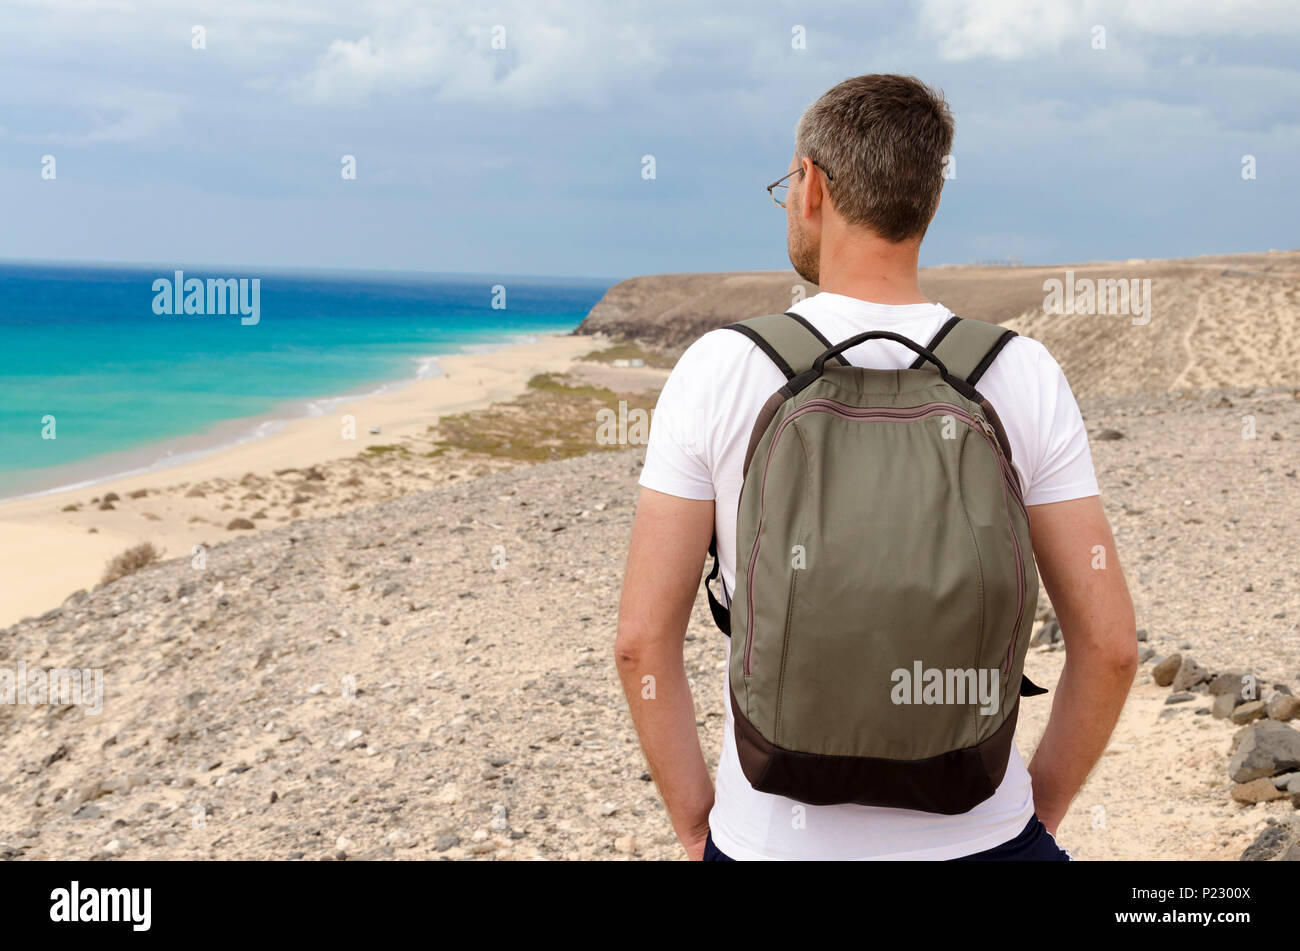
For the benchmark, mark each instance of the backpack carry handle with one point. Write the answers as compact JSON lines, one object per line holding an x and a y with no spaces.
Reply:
{"x":856,"y":339}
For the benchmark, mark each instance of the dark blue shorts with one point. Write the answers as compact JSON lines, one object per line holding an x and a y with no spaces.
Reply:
{"x":1034,"y":844}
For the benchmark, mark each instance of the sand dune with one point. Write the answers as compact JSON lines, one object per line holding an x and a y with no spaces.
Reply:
{"x":1228,"y":321}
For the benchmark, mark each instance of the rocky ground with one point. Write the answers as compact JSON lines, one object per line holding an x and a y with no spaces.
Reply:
{"x":432,"y":677}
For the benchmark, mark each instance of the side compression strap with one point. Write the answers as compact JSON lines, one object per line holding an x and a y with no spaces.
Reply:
{"x":721,"y":614}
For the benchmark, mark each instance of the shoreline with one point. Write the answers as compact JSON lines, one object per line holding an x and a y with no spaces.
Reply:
{"x":222,"y":435}
{"x":48,"y":552}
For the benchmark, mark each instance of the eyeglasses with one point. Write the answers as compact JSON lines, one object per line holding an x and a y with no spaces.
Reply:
{"x":778,"y":188}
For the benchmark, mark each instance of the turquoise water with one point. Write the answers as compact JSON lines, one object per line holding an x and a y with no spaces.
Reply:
{"x":85,"y":346}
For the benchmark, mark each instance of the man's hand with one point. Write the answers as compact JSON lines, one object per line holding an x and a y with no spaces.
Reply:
{"x":1076,"y":559}
{"x":670,"y":537}
{"x":695,"y":846}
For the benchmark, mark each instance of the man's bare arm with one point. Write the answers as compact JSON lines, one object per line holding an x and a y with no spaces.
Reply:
{"x":670,"y":537}
{"x":1080,"y":570}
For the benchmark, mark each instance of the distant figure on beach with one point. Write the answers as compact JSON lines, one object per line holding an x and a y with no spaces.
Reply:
{"x":897,"y":492}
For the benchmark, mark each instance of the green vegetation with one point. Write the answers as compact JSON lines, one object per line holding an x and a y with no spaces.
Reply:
{"x":555,"y":383}
{"x":385,"y":450}
{"x":632,"y":351}
{"x":558,"y":416}
{"x":555,"y":419}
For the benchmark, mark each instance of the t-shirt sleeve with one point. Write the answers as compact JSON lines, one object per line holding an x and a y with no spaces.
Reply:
{"x":675,"y":459}
{"x":1063,"y":468}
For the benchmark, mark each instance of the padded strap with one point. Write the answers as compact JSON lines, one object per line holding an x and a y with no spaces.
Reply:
{"x":792,"y":343}
{"x":789,"y":341}
{"x":968,"y":347}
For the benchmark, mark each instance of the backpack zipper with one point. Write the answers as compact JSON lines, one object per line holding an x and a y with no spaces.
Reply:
{"x":924,"y":411}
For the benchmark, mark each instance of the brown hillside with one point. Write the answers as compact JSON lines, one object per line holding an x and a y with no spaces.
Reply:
{"x":1221,"y":320}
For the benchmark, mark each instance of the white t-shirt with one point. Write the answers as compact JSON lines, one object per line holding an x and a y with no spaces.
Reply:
{"x":698,"y":437}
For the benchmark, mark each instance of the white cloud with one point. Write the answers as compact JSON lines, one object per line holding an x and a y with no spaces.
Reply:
{"x":581,"y":56}
{"x":1025,"y":29}
{"x":107,"y":115}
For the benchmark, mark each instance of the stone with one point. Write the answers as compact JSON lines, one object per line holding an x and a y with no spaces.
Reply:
{"x":1223,"y":706}
{"x":1282,"y":708}
{"x":1179,"y":698}
{"x":1225,"y":683}
{"x":1257,"y":790}
{"x":1049,"y":633}
{"x":1269,"y":843}
{"x":1190,"y":673}
{"x":1265,"y":749}
{"x":1165,"y":671}
{"x":1247,"y":712}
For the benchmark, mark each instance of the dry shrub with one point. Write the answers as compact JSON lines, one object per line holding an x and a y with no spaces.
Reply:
{"x":130,"y":561}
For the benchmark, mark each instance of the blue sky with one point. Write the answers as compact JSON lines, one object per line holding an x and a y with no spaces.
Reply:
{"x":528,"y":159}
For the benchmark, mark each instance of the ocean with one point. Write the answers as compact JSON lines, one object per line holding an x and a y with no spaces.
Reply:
{"x":97,"y":358}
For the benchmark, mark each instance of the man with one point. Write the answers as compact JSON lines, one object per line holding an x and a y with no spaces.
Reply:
{"x":861,"y":191}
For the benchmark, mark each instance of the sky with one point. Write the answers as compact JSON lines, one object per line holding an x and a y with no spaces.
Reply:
{"x":511,"y":138}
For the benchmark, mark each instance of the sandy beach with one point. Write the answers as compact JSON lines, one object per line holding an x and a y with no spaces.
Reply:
{"x":47,"y":552}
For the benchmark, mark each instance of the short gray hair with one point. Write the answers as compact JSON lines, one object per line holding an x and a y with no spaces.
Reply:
{"x":885,"y":141}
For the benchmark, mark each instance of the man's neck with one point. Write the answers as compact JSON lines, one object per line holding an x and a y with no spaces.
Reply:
{"x":871,"y":269}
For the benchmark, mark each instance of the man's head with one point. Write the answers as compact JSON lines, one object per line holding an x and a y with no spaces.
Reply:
{"x":869,"y":158}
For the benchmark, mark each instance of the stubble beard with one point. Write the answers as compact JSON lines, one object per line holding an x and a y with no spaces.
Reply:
{"x":804,"y":255}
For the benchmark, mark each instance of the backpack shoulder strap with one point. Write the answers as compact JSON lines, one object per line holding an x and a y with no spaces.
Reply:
{"x":792,"y":344}
{"x":789,"y":340}
{"x":967,"y":347}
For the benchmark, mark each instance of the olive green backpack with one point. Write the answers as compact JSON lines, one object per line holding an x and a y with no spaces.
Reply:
{"x":885,"y":583}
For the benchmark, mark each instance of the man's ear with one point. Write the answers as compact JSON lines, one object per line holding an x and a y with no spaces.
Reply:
{"x":810,"y":198}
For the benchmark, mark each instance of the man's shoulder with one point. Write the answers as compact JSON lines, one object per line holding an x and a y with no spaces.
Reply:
{"x":1022,"y":378}
{"x":719,"y":342}
{"x":1030,"y":358}
{"x":714,"y":355}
